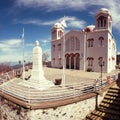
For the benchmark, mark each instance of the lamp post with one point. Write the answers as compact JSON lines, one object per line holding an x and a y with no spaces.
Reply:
{"x":101,"y":64}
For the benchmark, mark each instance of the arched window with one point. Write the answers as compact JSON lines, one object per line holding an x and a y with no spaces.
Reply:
{"x":60,"y":33}
{"x":54,"y":61}
{"x":109,"y":43}
{"x":67,"y":45}
{"x":59,"y":60}
{"x":77,"y":43}
{"x":72,"y":43}
{"x":113,"y":46}
{"x":59,"y":47}
{"x":90,"y":61}
{"x":102,"y":21}
{"x":90,"y":42}
{"x":53,"y":47}
{"x":101,"y":39}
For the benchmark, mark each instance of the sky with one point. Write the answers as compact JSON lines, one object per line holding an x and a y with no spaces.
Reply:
{"x":37,"y":18}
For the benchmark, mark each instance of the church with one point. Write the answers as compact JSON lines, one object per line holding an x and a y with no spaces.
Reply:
{"x":90,"y":49}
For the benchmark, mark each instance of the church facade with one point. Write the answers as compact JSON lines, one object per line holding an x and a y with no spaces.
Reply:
{"x":85,"y":50}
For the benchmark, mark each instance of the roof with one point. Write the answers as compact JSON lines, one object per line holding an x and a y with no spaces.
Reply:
{"x":103,"y":10}
{"x":89,"y":28}
{"x":58,"y":25}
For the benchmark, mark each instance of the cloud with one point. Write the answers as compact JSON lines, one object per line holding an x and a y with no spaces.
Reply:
{"x":10,"y":45}
{"x":71,"y":21}
{"x":34,"y":22}
{"x":75,"y":22}
{"x":52,"y":5}
{"x":10,"y":50}
{"x":29,"y":45}
{"x":75,"y":5}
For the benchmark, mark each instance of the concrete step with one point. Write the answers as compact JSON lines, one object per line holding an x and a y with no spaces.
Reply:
{"x":107,"y":106}
{"x":112,"y":98}
{"x":114,"y":91}
{"x":94,"y":116}
{"x":98,"y":115}
{"x":114,"y":88}
{"x":112,"y":94}
{"x":112,"y":102}
{"x":111,"y":112}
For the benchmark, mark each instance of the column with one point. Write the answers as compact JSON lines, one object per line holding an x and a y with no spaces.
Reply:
{"x":70,"y":62}
{"x":75,"y":62}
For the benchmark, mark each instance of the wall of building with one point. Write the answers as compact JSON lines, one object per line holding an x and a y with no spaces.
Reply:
{"x":102,"y":29}
{"x":75,"y":111}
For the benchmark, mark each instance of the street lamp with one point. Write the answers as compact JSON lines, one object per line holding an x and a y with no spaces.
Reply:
{"x":101,"y":64}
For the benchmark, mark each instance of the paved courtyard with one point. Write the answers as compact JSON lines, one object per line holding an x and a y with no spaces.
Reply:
{"x":72,"y":76}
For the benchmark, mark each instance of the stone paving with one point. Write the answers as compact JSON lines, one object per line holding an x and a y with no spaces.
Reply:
{"x":72,"y":76}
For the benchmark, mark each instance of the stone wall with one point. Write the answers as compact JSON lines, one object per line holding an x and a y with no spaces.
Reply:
{"x":75,"y":111}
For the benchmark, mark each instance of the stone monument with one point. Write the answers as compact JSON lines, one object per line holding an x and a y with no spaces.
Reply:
{"x":37,"y":79}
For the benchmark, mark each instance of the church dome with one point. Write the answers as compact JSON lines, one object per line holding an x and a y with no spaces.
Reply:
{"x":103,"y":10}
{"x":58,"y":25}
{"x":89,"y":28}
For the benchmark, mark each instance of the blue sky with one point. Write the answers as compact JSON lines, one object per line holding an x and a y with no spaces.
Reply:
{"x":38,"y":16}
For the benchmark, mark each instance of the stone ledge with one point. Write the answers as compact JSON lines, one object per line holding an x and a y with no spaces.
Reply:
{"x":51,"y":104}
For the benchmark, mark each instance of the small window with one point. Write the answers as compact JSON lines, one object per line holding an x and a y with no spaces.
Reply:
{"x":90,"y":42}
{"x":59,"y":47}
{"x":90,"y":61}
{"x":53,"y":47}
{"x":101,"y":39}
{"x":59,"y":60}
{"x":54,"y":61}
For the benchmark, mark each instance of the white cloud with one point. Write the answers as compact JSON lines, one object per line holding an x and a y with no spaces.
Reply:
{"x":10,"y":50}
{"x":75,"y":22}
{"x":51,"y":5}
{"x":71,"y":21}
{"x":79,"y":5}
{"x":30,"y":45}
{"x":10,"y":45}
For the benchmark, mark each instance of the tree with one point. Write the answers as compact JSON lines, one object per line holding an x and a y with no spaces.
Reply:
{"x":4,"y":68}
{"x":45,"y":57}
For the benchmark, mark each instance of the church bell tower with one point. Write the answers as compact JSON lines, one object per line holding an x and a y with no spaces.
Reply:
{"x":103,"y":19}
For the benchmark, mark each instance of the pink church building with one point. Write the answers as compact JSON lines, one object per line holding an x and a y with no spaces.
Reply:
{"x":84,"y":50}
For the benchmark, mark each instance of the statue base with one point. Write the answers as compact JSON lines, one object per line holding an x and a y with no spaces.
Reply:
{"x":39,"y":85}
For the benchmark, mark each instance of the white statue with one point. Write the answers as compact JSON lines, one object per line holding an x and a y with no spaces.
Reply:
{"x":37,"y":79}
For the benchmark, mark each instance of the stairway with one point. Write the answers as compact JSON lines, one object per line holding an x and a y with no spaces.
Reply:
{"x":109,"y":108}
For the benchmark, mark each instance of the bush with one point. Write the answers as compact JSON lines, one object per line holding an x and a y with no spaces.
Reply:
{"x":89,"y":70}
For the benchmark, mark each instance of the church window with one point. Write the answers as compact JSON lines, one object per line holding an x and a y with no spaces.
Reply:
{"x":101,"y":41}
{"x":72,"y":43}
{"x":101,"y":21}
{"x":59,"y":60}
{"x":53,"y":47}
{"x":60,"y":34}
{"x":109,"y":44}
{"x":54,"y":61}
{"x":90,"y":42}
{"x":59,"y":47}
{"x":77,"y":44}
{"x":54,"y":31}
{"x":90,"y":61}
{"x":67,"y":45}
{"x":113,"y":46}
